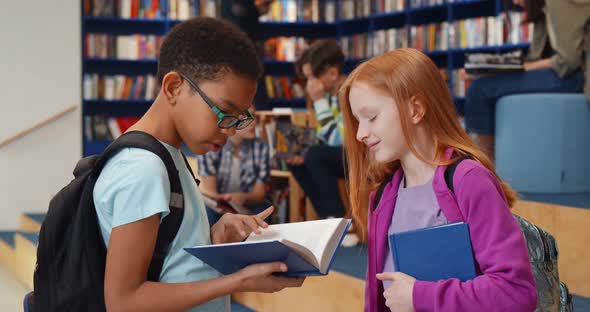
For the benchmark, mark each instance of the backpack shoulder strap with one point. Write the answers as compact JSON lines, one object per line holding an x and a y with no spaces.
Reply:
{"x":169,"y":225}
{"x":190,"y":169}
{"x":380,"y":191}
{"x":450,"y":172}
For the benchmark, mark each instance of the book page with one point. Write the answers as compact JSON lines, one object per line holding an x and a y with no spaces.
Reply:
{"x":314,"y":236}
{"x":333,"y":243}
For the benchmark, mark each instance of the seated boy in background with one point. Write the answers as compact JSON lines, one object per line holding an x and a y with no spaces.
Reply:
{"x":320,"y":168}
{"x":237,"y":173}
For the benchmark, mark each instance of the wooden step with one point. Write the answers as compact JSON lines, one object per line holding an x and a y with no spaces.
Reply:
{"x":7,"y":250}
{"x":341,"y":290}
{"x":335,"y":292}
{"x":26,"y":256}
{"x":31,"y":222}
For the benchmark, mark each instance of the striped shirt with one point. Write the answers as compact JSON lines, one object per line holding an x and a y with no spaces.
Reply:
{"x":254,"y":165}
{"x":330,"y":129}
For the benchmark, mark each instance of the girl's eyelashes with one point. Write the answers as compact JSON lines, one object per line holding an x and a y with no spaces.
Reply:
{"x":373,"y":119}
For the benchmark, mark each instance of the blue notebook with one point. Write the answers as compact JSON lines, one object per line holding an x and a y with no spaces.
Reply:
{"x":435,"y":253}
{"x":308,"y":248}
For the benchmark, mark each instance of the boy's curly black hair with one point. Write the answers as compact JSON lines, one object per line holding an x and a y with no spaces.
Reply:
{"x":205,"y":48}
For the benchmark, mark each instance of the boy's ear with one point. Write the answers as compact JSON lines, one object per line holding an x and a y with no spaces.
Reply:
{"x":417,"y":109}
{"x":171,"y":84}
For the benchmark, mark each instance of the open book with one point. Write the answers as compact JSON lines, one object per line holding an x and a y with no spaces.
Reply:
{"x":483,"y":64}
{"x":308,"y":248}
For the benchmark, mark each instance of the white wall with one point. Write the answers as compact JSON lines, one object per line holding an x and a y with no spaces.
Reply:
{"x":39,"y":76}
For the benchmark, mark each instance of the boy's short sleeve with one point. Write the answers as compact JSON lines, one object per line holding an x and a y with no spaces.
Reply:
{"x":130,"y":189}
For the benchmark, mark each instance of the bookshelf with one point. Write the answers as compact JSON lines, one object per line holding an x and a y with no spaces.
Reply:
{"x":162,"y":20}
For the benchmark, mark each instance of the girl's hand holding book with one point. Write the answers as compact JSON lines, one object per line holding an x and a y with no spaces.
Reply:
{"x":398,"y":297}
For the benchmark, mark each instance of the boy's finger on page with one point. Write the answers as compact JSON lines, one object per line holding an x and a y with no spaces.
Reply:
{"x":251,"y":224}
{"x":267,"y":212}
{"x":261,"y":222}
{"x":258,"y":221}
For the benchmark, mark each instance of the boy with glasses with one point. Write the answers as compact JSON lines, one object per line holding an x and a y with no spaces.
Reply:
{"x":207,"y":72}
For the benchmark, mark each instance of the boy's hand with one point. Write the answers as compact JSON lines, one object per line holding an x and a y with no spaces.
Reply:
{"x":398,"y":297}
{"x":258,"y":277}
{"x":315,"y":89}
{"x":233,"y":228}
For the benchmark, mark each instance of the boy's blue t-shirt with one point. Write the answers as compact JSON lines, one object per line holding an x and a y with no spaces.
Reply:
{"x":133,"y":186}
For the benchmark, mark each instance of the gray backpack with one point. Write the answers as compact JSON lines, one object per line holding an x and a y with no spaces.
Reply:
{"x":552,"y":294}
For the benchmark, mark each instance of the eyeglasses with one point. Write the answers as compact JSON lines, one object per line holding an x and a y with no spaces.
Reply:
{"x":226,"y":121}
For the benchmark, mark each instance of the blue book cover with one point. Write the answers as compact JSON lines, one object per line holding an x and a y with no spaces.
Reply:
{"x":435,"y":253}
{"x":308,"y":248}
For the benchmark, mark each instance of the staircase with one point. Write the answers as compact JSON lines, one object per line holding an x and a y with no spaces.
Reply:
{"x":18,"y":249}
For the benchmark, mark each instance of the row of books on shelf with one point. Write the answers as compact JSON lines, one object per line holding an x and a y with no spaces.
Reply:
{"x":376,"y":43}
{"x":124,"y":8}
{"x":301,"y":11}
{"x":461,"y":34}
{"x":150,"y":9}
{"x":325,"y":11}
{"x":131,"y":47}
{"x":388,"y":6}
{"x":103,"y":128}
{"x":285,"y":48}
{"x":280,"y":10}
{"x":424,"y":3}
{"x":119,"y":87}
{"x":488,"y":31}
{"x":284,"y":87}
{"x":350,"y":9}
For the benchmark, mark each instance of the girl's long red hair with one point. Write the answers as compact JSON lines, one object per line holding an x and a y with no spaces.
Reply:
{"x":404,"y":73}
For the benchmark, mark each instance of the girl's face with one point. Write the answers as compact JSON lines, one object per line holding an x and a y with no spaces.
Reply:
{"x":379,"y":123}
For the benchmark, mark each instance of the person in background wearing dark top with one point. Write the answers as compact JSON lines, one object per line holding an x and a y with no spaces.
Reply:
{"x":245,"y":14}
{"x":563,"y":25}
